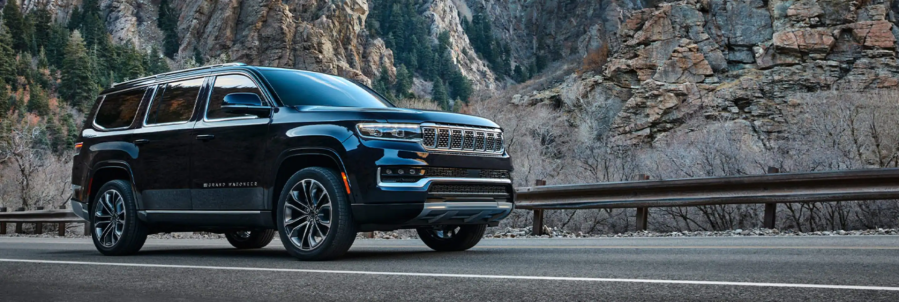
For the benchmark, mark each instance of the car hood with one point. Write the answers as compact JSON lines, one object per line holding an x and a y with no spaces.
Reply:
{"x":404,"y":115}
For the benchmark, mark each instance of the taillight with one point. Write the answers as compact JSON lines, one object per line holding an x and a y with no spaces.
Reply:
{"x":78,"y":148}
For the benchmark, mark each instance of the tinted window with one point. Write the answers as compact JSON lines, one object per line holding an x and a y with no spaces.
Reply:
{"x":309,"y":88}
{"x":223,"y":86}
{"x":174,"y":102}
{"x":117,"y":110}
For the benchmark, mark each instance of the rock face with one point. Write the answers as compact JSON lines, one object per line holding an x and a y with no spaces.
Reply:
{"x":738,"y":60}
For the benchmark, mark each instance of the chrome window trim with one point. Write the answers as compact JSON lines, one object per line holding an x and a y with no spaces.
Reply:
{"x":166,"y":83}
{"x":213,"y":76}
{"x":101,"y":128}
{"x":424,"y":182}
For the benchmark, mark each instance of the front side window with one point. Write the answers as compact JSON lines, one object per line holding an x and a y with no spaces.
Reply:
{"x":224,"y":85}
{"x":118,"y":109}
{"x":299,"y":88}
{"x":174,"y":102}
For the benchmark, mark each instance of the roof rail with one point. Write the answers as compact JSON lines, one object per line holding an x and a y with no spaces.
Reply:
{"x":179,"y":71}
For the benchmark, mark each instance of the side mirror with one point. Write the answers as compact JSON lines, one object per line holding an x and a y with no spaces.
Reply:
{"x":245,"y":103}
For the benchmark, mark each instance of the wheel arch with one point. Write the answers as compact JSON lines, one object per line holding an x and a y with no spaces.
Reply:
{"x":297,"y":159}
{"x":107,"y":171}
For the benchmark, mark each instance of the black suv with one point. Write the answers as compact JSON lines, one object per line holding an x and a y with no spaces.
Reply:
{"x":245,"y":150}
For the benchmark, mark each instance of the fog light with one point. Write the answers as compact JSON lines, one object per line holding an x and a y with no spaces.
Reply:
{"x":389,"y":171}
{"x":400,"y":172}
{"x":411,"y":172}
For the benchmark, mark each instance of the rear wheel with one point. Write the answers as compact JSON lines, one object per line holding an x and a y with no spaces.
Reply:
{"x":314,"y":218}
{"x":452,"y":238}
{"x":115,"y":229}
{"x":250,"y":239}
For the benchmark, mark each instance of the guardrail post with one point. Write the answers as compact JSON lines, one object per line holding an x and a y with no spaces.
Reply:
{"x":61,"y":228}
{"x":771,"y":208}
{"x":2,"y":224}
{"x":19,"y":224}
{"x":537,"y":229}
{"x":39,"y":226}
{"x":642,"y":213}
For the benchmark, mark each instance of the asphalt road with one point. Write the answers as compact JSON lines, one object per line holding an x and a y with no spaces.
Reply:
{"x":617,"y":269}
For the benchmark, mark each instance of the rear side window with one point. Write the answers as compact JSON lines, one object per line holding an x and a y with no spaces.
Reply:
{"x":223,"y":86}
{"x":118,"y":109}
{"x":174,"y":102}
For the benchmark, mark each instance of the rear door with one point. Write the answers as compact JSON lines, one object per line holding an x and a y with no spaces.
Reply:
{"x":164,"y":142}
{"x":228,"y":164}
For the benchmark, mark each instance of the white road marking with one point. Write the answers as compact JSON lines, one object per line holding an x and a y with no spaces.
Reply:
{"x":437,"y":275}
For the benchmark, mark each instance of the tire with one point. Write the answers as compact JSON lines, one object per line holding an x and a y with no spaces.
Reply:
{"x":115,"y":229}
{"x":333,"y":220}
{"x":250,"y":239}
{"x":452,"y":238}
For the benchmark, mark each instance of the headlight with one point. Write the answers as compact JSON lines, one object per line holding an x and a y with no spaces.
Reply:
{"x":407,"y":132}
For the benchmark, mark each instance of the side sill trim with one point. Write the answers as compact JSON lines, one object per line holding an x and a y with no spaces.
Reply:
{"x":200,"y":212}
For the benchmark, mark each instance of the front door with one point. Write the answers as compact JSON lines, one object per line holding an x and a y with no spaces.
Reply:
{"x":228,"y":165}
{"x":164,"y":143}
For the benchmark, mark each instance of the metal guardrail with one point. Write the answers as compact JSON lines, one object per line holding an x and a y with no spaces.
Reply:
{"x":769,"y":189}
{"x":20,"y":216}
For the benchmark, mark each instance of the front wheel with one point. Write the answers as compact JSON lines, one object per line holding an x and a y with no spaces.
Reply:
{"x":250,"y":239}
{"x":314,"y":218}
{"x":452,"y":238}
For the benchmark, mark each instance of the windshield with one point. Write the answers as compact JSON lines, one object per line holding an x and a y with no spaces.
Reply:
{"x":302,"y":88}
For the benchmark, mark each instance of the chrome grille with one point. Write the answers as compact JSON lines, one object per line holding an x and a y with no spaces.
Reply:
{"x":459,"y":138}
{"x":443,"y":138}
{"x":428,"y":137}
{"x":456,"y":139}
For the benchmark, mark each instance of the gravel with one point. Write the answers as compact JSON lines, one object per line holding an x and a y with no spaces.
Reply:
{"x":526,"y":233}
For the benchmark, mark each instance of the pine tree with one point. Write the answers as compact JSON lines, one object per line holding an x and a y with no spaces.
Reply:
{"x":198,"y":57}
{"x":403,"y":81}
{"x":168,"y":23}
{"x":131,"y":63}
{"x":37,"y":102}
{"x":14,"y":21}
{"x":71,"y":131}
{"x":461,"y":86}
{"x":4,"y":99}
{"x":7,"y":56}
{"x":42,"y":61}
{"x":77,"y":87}
{"x":42,"y":21}
{"x":156,"y":64}
{"x":438,"y":94}
{"x":56,"y":44}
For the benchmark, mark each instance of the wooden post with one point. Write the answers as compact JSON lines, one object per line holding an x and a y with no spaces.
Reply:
{"x":537,"y":229}
{"x":771,"y":208}
{"x":39,"y":226}
{"x":61,"y":228}
{"x":2,"y":224}
{"x":19,"y":224}
{"x":642,"y":213}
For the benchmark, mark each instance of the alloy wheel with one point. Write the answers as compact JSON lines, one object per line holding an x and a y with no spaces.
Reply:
{"x":109,"y":218}
{"x":307,"y":214}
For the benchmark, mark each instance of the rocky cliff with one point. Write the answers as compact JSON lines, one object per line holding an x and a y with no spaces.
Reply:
{"x":668,"y":62}
{"x":734,"y":60}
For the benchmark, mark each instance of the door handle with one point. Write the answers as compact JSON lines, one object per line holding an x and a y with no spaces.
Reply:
{"x":141,"y":141}
{"x":205,"y":137}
